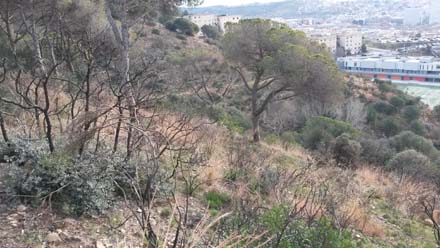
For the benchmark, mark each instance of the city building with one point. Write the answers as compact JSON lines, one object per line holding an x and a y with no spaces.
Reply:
{"x":350,"y":41}
{"x":422,"y":70}
{"x":213,"y":20}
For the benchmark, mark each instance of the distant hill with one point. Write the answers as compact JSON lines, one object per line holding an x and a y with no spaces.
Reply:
{"x":286,"y":9}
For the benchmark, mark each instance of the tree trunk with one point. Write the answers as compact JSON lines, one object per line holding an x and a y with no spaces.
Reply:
{"x":256,"y":128}
{"x":3,"y":128}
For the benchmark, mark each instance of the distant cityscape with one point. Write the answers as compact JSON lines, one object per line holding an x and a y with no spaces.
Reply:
{"x":407,"y":27}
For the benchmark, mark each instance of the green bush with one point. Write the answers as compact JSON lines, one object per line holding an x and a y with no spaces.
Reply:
{"x":74,"y":185}
{"x":372,"y":116}
{"x":390,"y":126}
{"x":384,"y":107}
{"x":234,"y":120}
{"x":408,"y":140}
{"x":185,"y":26}
{"x":217,"y":200}
{"x":211,"y":32}
{"x":411,"y":112}
{"x":321,"y":131}
{"x":376,"y":151}
{"x":289,"y":138}
{"x":436,"y":112}
{"x":296,"y":233}
{"x":417,"y":127}
{"x":384,"y":86}
{"x":181,"y":37}
{"x":397,"y":101}
{"x":155,"y":31}
{"x":412,"y":163}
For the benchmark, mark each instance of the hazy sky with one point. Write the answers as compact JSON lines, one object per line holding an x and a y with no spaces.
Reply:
{"x":235,"y":2}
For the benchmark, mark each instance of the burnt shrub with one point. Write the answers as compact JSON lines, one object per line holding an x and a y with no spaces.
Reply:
{"x":345,"y":150}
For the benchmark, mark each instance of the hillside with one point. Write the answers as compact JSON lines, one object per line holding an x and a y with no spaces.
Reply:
{"x":121,"y":131}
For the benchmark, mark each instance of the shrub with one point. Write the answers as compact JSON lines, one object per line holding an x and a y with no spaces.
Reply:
{"x":390,"y":126}
{"x":296,"y":233}
{"x":371,"y":116}
{"x":411,"y":112}
{"x":170,"y":26}
{"x":211,"y":32}
{"x":410,"y":162}
{"x":436,"y":112}
{"x":73,"y":185}
{"x":181,"y":37}
{"x":155,"y":31}
{"x":376,"y":151}
{"x":321,"y":131}
{"x":408,"y":140}
{"x":417,"y":127}
{"x":234,"y":120}
{"x":345,"y":150}
{"x":185,"y":26}
{"x":397,"y":101}
{"x":384,"y":107}
{"x":384,"y":86}
{"x":217,"y":200}
{"x":288,"y":138}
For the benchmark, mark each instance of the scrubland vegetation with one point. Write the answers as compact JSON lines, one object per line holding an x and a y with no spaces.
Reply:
{"x":121,"y":128}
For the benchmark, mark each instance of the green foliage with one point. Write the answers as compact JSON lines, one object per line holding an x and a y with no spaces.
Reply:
{"x":155,"y":31}
{"x":384,"y":86}
{"x":183,"y":26}
{"x":181,"y":37}
{"x":436,"y":112}
{"x":417,"y":127}
{"x":390,"y":126}
{"x":234,"y":120}
{"x":411,"y":112}
{"x":397,"y":101}
{"x":412,"y":163}
{"x":372,"y":115}
{"x":211,"y":32}
{"x":289,"y":138}
{"x":295,"y":233}
{"x":408,"y":140}
{"x":384,"y":107}
{"x":217,"y":200}
{"x":376,"y":151}
{"x":321,"y":131}
{"x":165,"y":212}
{"x":75,"y":185}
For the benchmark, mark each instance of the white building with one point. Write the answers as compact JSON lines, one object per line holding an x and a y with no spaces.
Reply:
{"x":213,"y":20}
{"x":351,"y":41}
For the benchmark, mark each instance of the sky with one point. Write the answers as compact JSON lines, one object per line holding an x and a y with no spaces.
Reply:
{"x":234,"y":2}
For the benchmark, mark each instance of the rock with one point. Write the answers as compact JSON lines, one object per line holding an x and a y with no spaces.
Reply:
{"x":69,"y":222}
{"x":21,"y":208}
{"x":99,"y":244}
{"x":428,"y":222}
{"x":53,"y":238}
